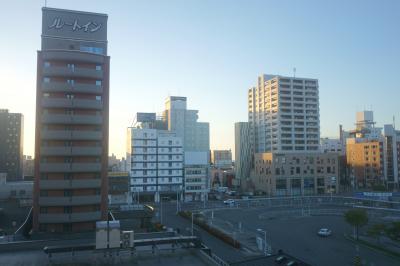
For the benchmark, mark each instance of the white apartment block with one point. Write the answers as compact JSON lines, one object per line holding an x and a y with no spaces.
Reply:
{"x":196,"y":174}
{"x":155,"y":159}
{"x":284,"y":114}
{"x":332,"y":145}
{"x":195,"y":135}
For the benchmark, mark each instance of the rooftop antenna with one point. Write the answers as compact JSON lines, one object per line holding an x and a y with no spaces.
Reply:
{"x":294,"y":72}
{"x":394,"y":122}
{"x":45,"y":3}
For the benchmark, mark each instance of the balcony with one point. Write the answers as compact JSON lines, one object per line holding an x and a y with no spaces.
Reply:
{"x":74,"y":56}
{"x":69,"y":217}
{"x":71,"y":151}
{"x":71,"y":103}
{"x":69,"y":201}
{"x":76,"y":72}
{"x":71,"y":135}
{"x":69,"y":167}
{"x":70,"y":184}
{"x":66,"y":87}
{"x":72,"y":119}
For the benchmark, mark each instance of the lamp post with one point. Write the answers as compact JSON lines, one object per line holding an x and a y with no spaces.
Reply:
{"x":192,"y":223}
{"x":265,"y":240}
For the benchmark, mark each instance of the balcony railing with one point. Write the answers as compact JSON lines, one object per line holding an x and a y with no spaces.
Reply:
{"x":69,"y":201}
{"x":69,"y":217}
{"x":71,"y":103}
{"x":75,"y":72}
{"x":67,"y":87}
{"x":72,"y":119}
{"x":69,"y":167}
{"x":71,"y":151}
{"x":70,"y":184}
{"x":74,"y":56}
{"x":71,"y":135}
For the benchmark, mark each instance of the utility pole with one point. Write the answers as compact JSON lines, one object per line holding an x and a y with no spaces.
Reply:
{"x":192,"y":223}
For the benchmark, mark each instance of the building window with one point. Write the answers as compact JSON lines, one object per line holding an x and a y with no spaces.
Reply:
{"x":46,"y":64}
{"x":98,"y":67}
{"x":98,"y":82}
{"x":46,"y":80}
{"x":91,"y":49}
{"x":98,"y":98}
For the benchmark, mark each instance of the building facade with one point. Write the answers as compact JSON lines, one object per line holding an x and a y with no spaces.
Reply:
{"x":195,"y":135}
{"x":72,"y":116}
{"x":365,"y":160}
{"x":392,"y":156}
{"x":196,"y":176}
{"x":295,"y":174}
{"x":221,"y":159}
{"x":11,"y":144}
{"x":155,"y":160}
{"x":332,"y":145}
{"x":243,"y":155}
{"x":284,"y":114}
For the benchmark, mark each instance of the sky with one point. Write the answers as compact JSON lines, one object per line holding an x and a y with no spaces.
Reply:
{"x":212,"y":51}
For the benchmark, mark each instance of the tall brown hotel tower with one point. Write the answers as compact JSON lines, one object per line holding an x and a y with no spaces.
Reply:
{"x":72,"y":106}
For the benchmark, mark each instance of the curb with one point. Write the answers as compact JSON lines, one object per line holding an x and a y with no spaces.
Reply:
{"x":372,"y":247}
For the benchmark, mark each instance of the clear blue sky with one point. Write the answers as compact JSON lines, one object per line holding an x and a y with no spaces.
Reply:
{"x":212,"y":52}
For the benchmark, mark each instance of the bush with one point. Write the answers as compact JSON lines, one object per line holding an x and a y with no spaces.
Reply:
{"x":211,"y":230}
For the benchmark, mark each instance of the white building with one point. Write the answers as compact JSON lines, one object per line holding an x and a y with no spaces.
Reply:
{"x":332,"y":145}
{"x":195,"y":135}
{"x":155,"y":159}
{"x":284,"y":114}
{"x":243,"y":155}
{"x":197,"y":181}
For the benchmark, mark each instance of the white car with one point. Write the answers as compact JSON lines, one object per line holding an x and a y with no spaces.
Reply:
{"x":324,"y":232}
{"x":229,"y":201}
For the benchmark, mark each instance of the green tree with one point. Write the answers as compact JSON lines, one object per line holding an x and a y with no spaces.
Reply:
{"x":393,"y":232}
{"x":376,"y":231}
{"x":356,"y":218}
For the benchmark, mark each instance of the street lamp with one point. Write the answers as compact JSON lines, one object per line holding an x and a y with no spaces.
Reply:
{"x":265,"y":240}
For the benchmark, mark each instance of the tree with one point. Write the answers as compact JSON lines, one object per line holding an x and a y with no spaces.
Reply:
{"x":376,"y":231}
{"x":356,"y":218}
{"x":393,"y":232}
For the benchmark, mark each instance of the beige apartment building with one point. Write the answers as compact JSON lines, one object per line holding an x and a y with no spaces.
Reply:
{"x":365,"y":161}
{"x":294,"y":174}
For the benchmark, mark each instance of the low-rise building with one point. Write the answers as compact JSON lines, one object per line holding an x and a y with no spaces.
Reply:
{"x":196,"y":176}
{"x":293,"y":174}
{"x":15,"y":189}
{"x":119,"y":188}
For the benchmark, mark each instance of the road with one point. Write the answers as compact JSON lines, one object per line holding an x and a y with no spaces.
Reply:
{"x":297,"y":236}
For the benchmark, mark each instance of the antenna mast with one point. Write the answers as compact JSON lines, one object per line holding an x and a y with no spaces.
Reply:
{"x":294,"y":72}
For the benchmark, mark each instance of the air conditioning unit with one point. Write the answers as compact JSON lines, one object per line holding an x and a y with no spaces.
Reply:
{"x":127,"y":238}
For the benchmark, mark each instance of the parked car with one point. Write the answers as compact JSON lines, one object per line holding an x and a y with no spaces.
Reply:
{"x":231,"y":193}
{"x":229,"y":201}
{"x":280,"y":259}
{"x":324,"y":232}
{"x":291,"y":263}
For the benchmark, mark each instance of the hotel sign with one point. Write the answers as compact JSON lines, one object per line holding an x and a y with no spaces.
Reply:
{"x":74,"y":24}
{"x":90,"y":26}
